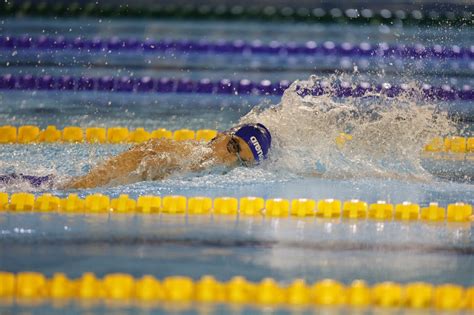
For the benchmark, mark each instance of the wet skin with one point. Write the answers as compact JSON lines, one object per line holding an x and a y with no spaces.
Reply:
{"x":231,"y":150}
{"x":159,"y":158}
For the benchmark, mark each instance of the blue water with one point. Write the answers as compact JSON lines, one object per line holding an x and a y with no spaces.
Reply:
{"x":165,"y":245}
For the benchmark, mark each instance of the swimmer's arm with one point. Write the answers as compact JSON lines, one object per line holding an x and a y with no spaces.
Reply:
{"x":119,"y":168}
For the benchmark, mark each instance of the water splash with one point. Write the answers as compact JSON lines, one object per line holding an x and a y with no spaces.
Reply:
{"x":388,"y":133}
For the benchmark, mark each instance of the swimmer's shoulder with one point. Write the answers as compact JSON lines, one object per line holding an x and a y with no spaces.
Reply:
{"x":165,"y":144}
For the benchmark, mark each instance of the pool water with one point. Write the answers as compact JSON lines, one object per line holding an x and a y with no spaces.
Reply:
{"x":382,"y":163}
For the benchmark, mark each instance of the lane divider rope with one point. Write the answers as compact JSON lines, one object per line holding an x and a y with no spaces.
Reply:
{"x":225,"y":86}
{"x":230,"y":206}
{"x":28,"y":134}
{"x":238,"y":12}
{"x":238,"y":290}
{"x":74,"y":134}
{"x":453,"y":144}
{"x":114,"y":44}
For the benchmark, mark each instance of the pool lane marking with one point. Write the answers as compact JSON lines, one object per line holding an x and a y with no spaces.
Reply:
{"x":12,"y":242}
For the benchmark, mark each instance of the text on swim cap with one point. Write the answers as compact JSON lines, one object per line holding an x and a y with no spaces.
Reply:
{"x":257,"y":146}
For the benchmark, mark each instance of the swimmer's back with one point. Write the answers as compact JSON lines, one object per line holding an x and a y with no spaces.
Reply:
{"x":153,"y":159}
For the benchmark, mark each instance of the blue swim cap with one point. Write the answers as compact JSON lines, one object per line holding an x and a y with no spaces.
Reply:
{"x":257,"y":137}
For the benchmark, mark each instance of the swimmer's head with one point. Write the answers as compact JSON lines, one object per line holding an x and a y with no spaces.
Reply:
{"x":247,"y":144}
{"x":257,"y":137}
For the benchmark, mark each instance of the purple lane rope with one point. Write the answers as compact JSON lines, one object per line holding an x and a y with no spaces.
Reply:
{"x":224,"y":86}
{"x":115,"y":44}
{"x":33,"y":180}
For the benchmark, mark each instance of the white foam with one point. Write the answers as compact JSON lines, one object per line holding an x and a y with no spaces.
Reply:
{"x":388,"y":133}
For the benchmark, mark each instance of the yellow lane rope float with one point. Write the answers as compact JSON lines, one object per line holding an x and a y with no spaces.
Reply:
{"x":451,"y":144}
{"x":73,"y":134}
{"x":123,"y":287}
{"x":245,"y":206}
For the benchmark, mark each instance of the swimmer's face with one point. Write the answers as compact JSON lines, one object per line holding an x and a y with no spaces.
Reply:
{"x":231,"y":150}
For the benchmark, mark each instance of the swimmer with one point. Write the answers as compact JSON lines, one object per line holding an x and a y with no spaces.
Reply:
{"x":157,"y":159}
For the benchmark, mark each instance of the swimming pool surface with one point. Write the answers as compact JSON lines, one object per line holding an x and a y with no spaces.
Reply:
{"x":382,"y":163}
